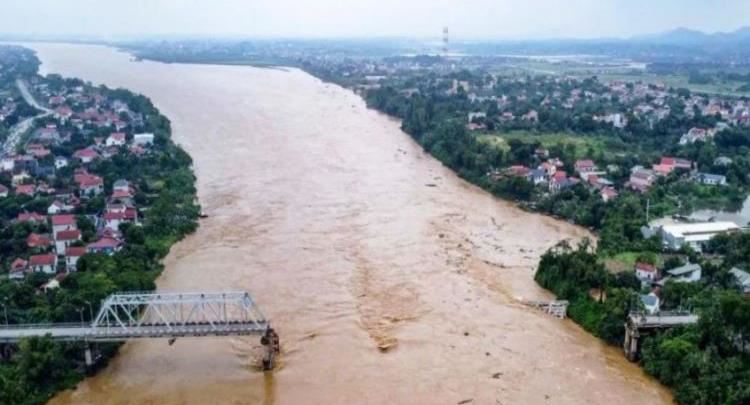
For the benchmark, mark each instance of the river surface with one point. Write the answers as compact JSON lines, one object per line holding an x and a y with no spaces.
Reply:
{"x":350,"y":238}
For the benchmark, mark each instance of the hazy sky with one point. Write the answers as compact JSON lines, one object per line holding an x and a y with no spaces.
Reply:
{"x":467,"y":19}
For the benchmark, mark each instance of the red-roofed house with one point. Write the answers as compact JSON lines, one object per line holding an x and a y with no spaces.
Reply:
{"x":45,"y":263}
{"x":668,"y":164}
{"x":63,"y":222}
{"x":89,"y":184}
{"x":113,"y":219}
{"x":641,"y":180}
{"x":35,"y":240}
{"x":31,"y":217}
{"x":3,"y":191}
{"x":645,"y":271}
{"x":608,"y":194}
{"x":116,"y":139}
{"x":585,"y":166}
{"x":18,"y":269}
{"x":26,"y":189}
{"x":66,"y":238}
{"x":63,"y":113}
{"x":86,"y":155}
{"x":106,"y":245}
{"x":72,"y":254}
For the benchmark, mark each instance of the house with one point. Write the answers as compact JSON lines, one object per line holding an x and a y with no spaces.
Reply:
{"x":694,"y":135}
{"x":45,"y":263}
{"x":561,"y":181}
{"x":115,"y":139}
{"x":121,"y":185}
{"x":668,"y":164}
{"x":55,"y":208}
{"x":65,"y":238}
{"x":145,"y":139}
{"x":53,"y":283}
{"x":18,"y":269}
{"x":3,"y":191}
{"x":63,"y":222}
{"x":641,"y":180}
{"x":537,"y":176}
{"x":37,"y":150}
{"x":60,"y":162}
{"x":694,"y":235}
{"x":26,"y":189}
{"x":475,"y":116}
{"x":646,"y":272}
{"x":585,"y":166}
{"x":710,"y":179}
{"x":531,"y":116}
{"x":89,"y":184}
{"x":32,"y":217}
{"x":86,"y":155}
{"x":608,"y":194}
{"x":35,"y":240}
{"x":63,"y":113}
{"x":688,"y":273}
{"x":743,"y":279}
{"x":113,"y":219}
{"x":72,"y":254}
{"x":549,"y":168}
{"x":106,"y":244}
{"x":650,"y":303}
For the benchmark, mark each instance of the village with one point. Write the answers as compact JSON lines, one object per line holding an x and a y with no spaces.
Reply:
{"x":65,"y":207}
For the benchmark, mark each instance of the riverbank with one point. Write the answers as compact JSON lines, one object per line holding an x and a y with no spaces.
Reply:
{"x":319,"y":207}
{"x":87,"y":218}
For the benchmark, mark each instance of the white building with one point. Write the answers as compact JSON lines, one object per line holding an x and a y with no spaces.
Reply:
{"x":143,"y":139}
{"x":695,"y":235}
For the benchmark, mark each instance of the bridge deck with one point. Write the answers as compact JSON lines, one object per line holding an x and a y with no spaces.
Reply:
{"x":661,"y":321}
{"x":89,"y":333}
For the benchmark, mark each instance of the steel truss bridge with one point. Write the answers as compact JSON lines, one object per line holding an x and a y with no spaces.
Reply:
{"x":139,"y":315}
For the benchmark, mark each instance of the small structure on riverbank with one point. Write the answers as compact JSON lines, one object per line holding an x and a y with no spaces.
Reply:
{"x":558,"y":309}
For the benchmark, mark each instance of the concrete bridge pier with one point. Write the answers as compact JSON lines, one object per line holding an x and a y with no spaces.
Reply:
{"x":271,"y":342}
{"x":630,"y":344}
{"x":88,"y":357}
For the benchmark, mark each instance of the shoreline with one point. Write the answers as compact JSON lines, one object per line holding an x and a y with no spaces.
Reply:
{"x":550,"y":221}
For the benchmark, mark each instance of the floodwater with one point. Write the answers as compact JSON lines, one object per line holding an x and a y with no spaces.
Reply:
{"x":350,"y":238}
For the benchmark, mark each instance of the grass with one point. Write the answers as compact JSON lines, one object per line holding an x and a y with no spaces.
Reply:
{"x":625,"y":261}
{"x":550,"y":139}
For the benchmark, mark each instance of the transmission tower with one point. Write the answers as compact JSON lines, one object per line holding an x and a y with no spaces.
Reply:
{"x":445,"y":41}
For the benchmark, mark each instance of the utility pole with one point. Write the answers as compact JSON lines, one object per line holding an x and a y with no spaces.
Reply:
{"x":648,"y":208}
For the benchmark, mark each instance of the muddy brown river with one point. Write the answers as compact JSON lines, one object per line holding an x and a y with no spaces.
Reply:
{"x":350,"y":238}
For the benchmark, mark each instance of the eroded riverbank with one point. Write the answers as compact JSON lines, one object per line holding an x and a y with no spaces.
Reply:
{"x":319,"y":207}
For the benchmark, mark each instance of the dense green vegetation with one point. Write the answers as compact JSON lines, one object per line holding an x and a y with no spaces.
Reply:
{"x":165,"y":188}
{"x":706,"y":363}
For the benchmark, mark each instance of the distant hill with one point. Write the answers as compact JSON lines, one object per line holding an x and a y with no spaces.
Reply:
{"x":685,"y":36}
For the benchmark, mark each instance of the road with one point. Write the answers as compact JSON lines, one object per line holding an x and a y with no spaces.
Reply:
{"x":11,"y":143}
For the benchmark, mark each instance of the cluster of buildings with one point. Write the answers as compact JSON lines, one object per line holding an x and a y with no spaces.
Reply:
{"x":50,"y":168}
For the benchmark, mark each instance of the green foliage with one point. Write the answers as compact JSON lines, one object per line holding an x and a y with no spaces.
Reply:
{"x":703,"y":363}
